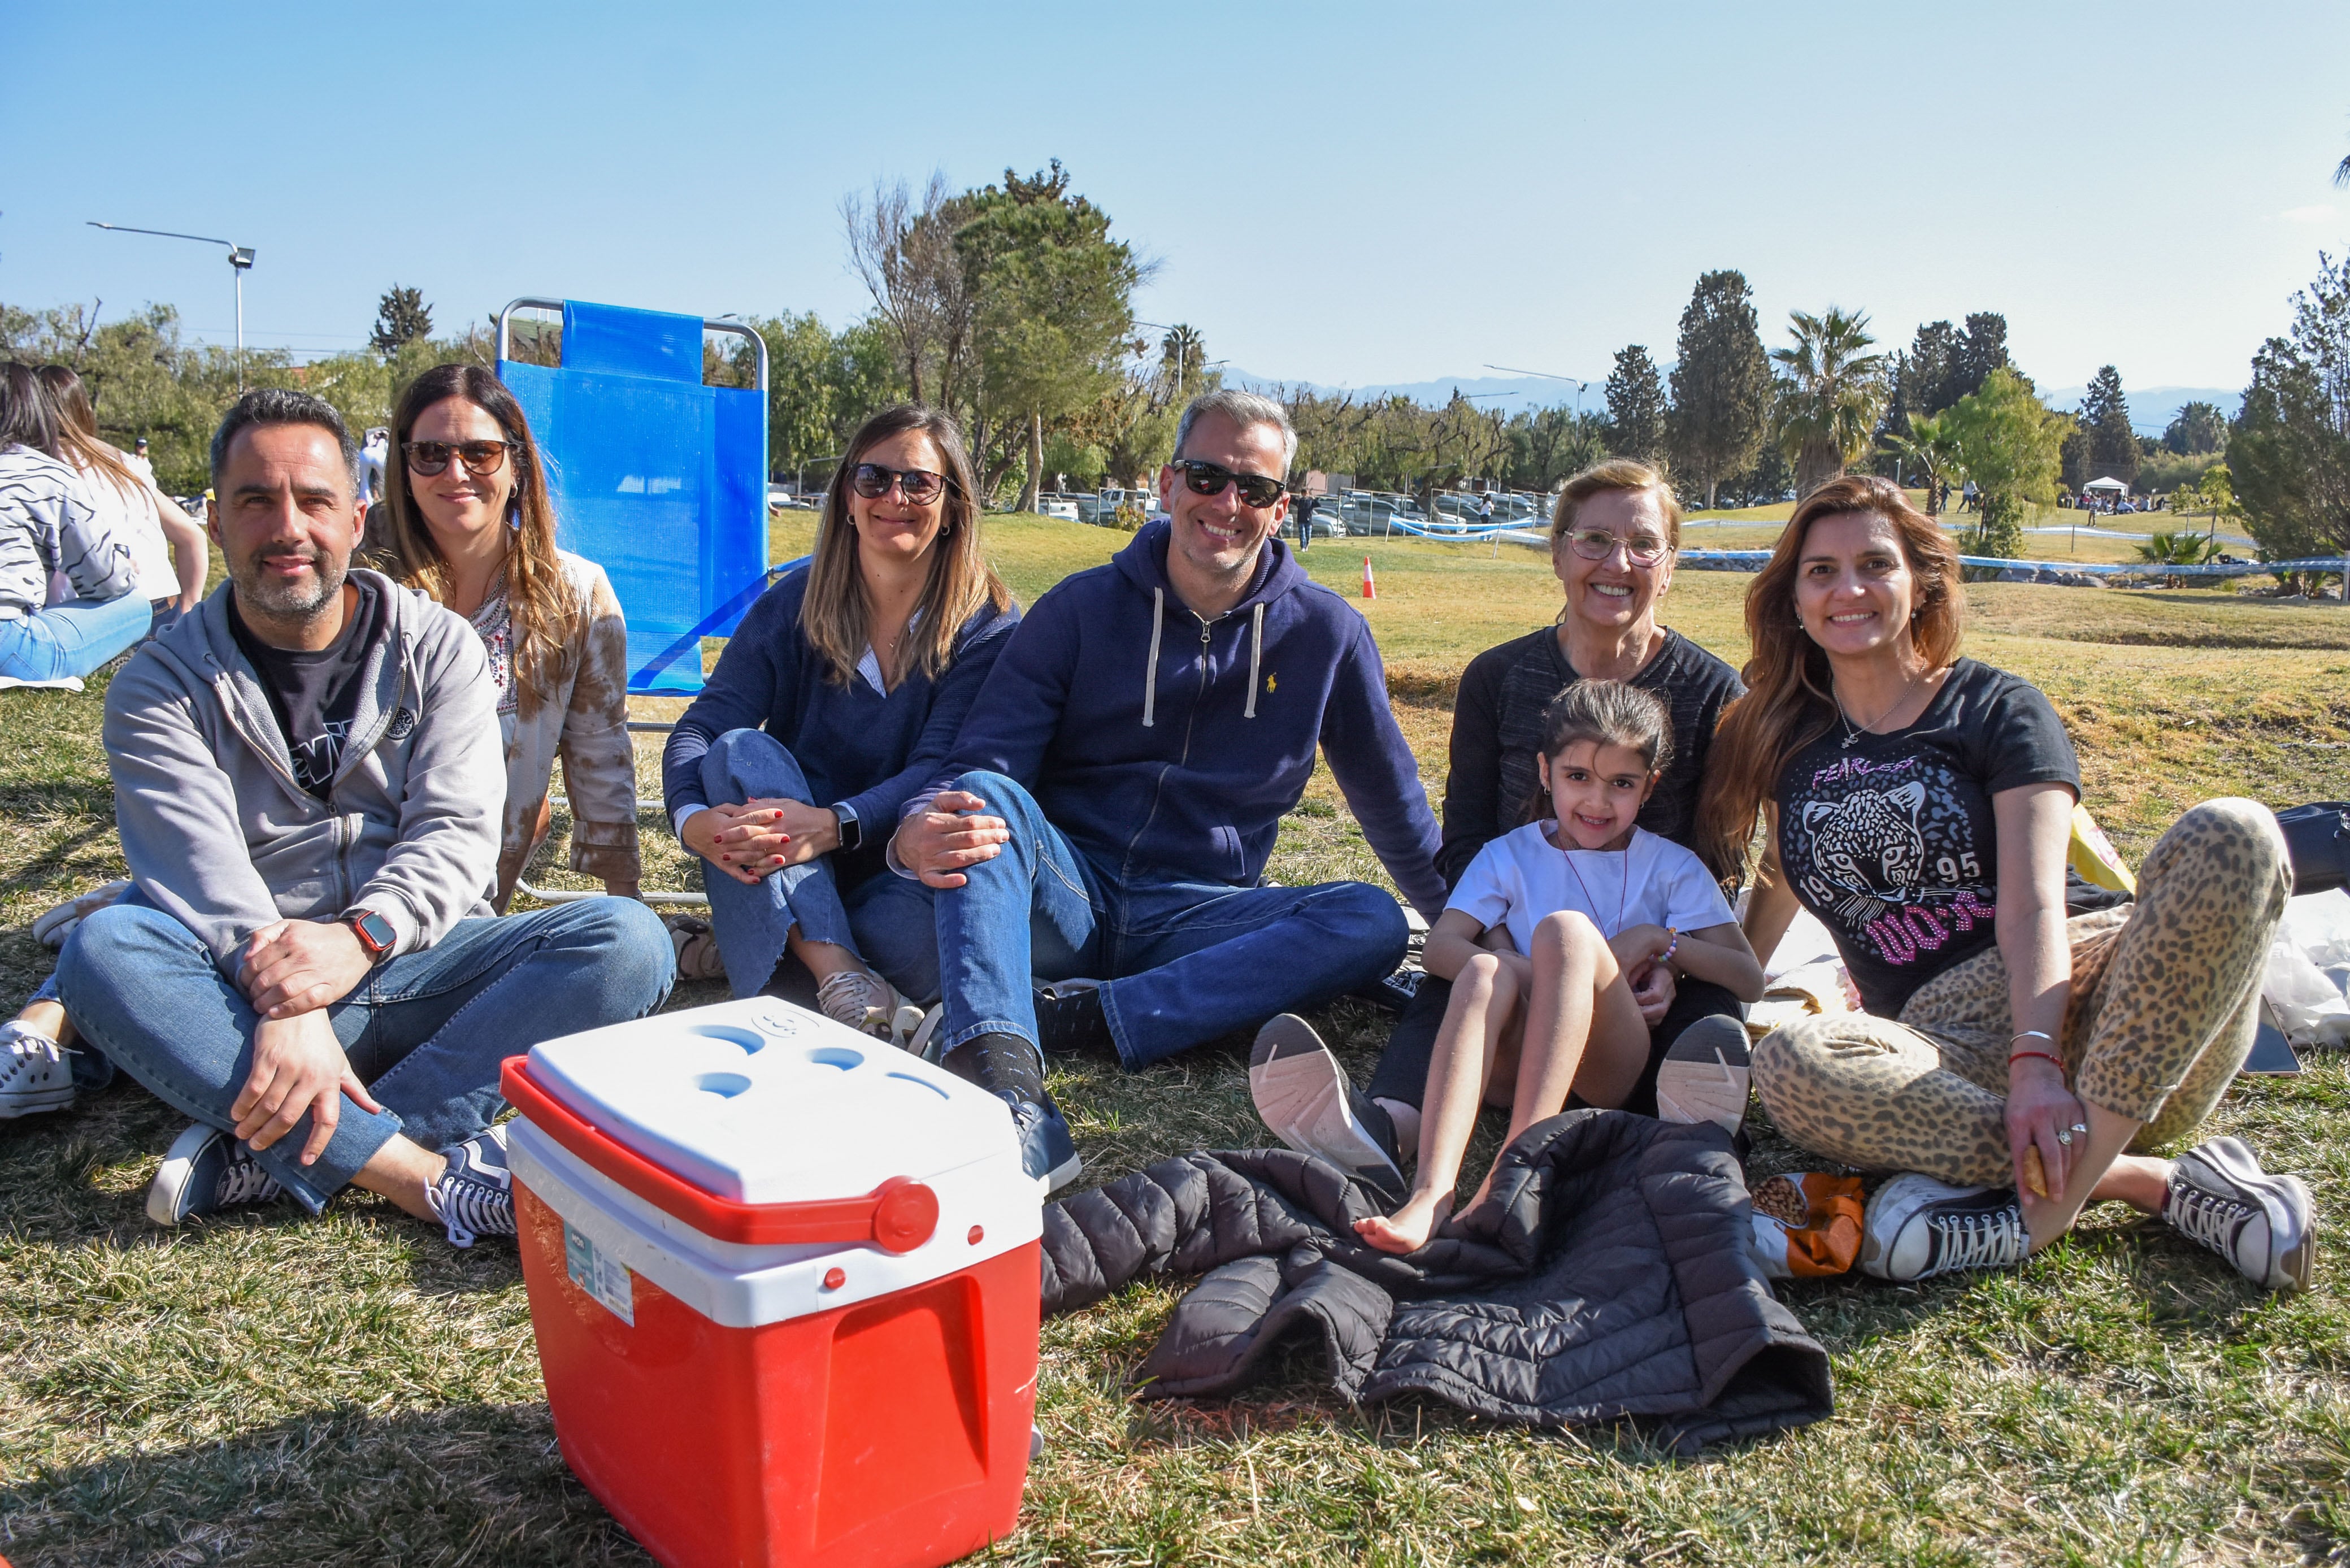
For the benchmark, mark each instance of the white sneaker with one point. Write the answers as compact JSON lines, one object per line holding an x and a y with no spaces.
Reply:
{"x":34,"y":1073}
{"x":1706,"y":1074}
{"x":2263,"y":1224}
{"x":1917,"y":1227}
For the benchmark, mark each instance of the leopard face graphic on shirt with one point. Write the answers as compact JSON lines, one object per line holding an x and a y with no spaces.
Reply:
{"x":1892,"y":840}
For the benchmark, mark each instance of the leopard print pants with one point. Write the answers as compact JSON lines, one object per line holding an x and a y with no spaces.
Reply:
{"x":2165,"y":999}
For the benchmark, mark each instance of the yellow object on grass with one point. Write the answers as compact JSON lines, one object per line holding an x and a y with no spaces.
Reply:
{"x":2092,"y":855}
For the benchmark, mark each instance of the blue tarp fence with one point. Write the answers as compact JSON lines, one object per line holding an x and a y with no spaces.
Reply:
{"x":1743,"y":560}
{"x":658,"y":479}
{"x":1752,"y":560}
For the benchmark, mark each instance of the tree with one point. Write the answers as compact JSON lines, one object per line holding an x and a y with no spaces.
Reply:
{"x":2213,"y":494}
{"x":1052,"y":311}
{"x":821,"y":385}
{"x":2009,"y":441}
{"x":1981,"y":350}
{"x":2112,"y":446}
{"x":1183,"y":353}
{"x":1721,"y":384}
{"x":2196,"y":428}
{"x":904,"y":251}
{"x":1636,"y":407}
{"x":1830,"y":393}
{"x":1548,"y":446}
{"x":1923,"y":378}
{"x":401,"y":317}
{"x":1932,"y":449}
{"x":1766,"y":483}
{"x":2289,"y":450}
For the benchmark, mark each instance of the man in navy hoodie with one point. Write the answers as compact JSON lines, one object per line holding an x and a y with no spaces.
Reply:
{"x":1110,"y":803}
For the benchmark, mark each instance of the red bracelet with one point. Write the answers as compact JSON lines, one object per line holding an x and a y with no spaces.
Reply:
{"x":2015,"y":1056}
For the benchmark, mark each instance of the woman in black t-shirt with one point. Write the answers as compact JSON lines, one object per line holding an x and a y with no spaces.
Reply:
{"x":1612,"y":534}
{"x":2019,"y":1037}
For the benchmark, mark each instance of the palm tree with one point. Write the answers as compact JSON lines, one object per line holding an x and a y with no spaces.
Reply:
{"x":1184,"y":350}
{"x":1830,"y":394}
{"x":1932,"y":447}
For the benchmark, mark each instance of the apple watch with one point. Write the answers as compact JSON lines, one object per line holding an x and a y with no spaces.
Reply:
{"x":374,"y":932}
{"x":852,"y":831}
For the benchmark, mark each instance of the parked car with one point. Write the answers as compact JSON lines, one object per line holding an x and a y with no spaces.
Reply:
{"x":1062,"y":506}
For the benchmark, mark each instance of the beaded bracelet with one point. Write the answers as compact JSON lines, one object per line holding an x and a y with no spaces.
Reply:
{"x":2015,"y":1056}
{"x":1666,"y":957}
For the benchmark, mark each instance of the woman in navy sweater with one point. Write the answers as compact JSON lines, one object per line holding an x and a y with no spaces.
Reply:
{"x":837,"y":697}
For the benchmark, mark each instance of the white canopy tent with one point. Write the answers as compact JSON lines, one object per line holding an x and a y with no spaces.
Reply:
{"x":2112,"y":485}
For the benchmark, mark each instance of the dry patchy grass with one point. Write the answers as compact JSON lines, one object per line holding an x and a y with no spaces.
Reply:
{"x":270,"y":1388}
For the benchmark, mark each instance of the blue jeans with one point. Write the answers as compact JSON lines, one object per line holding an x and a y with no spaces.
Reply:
{"x":71,"y":639}
{"x":425,"y":1032}
{"x":887,"y":927}
{"x":1184,"y":961}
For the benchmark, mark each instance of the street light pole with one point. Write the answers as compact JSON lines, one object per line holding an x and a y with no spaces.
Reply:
{"x":240,"y":261}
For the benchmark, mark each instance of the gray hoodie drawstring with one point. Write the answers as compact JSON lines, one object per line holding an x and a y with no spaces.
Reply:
{"x":1256,"y":656}
{"x":1150,"y":676}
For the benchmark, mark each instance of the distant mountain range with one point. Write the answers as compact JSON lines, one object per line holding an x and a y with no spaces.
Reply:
{"x":2151,"y":408}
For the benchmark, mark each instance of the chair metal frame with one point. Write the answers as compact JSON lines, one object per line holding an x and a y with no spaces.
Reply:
{"x":656,"y":726}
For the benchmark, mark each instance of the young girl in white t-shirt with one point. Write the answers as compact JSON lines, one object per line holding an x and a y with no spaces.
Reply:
{"x":1550,"y":929}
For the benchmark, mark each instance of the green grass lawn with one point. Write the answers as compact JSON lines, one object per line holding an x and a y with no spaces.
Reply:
{"x":271,"y":1388}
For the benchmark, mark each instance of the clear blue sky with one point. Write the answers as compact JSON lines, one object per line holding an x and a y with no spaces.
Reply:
{"x":1347,"y":194}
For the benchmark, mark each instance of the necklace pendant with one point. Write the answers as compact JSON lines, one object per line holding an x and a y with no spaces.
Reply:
{"x":1848,"y":740}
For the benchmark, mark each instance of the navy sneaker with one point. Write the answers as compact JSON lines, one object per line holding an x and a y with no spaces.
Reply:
{"x":207,"y":1170}
{"x":1307,"y":1102}
{"x":1047,"y":1152}
{"x":1012,"y":1071}
{"x":474,"y":1196}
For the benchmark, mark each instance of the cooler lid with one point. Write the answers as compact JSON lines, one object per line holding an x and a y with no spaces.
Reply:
{"x":761,"y":1102}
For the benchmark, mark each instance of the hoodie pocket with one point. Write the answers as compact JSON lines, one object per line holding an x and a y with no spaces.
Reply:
{"x":1229,"y":862}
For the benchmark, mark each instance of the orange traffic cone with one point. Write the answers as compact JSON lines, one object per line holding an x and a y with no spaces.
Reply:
{"x":1370,"y":590}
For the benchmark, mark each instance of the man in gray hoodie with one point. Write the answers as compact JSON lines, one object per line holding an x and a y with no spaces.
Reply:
{"x":307,"y":777}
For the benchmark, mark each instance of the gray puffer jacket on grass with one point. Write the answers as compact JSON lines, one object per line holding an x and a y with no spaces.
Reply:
{"x":221,"y":836}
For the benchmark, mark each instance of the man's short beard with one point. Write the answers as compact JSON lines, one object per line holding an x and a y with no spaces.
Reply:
{"x":288,"y":601}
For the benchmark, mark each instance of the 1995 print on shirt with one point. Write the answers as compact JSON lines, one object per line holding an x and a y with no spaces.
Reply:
{"x":1891,"y":841}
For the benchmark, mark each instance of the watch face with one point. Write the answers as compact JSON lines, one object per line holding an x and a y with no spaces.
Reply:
{"x":375,"y":933}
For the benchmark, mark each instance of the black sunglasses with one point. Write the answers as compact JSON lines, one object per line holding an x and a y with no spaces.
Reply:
{"x":1207,"y":478}
{"x":921,"y":486}
{"x":481,"y":458}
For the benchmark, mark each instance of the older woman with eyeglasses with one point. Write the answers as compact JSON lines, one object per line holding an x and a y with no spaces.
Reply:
{"x":833,"y":703}
{"x":1612,"y":534}
{"x":472,"y":525}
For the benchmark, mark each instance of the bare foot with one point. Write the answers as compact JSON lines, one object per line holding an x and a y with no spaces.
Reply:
{"x":1405,"y":1230}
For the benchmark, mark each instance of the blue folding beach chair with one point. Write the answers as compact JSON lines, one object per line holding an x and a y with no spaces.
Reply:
{"x":658,"y":479}
{"x":655,"y":477}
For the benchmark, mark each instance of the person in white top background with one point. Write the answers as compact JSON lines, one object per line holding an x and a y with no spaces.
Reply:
{"x":1544,"y":937}
{"x":167,"y":545}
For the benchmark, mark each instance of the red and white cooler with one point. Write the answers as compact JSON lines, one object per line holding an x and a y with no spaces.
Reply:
{"x":784,"y":1280}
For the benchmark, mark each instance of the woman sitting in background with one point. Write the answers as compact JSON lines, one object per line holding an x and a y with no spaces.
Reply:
{"x":471,"y":524}
{"x":49,"y":527}
{"x":835,"y":700}
{"x":2014,"y":1064}
{"x":141,"y":517}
